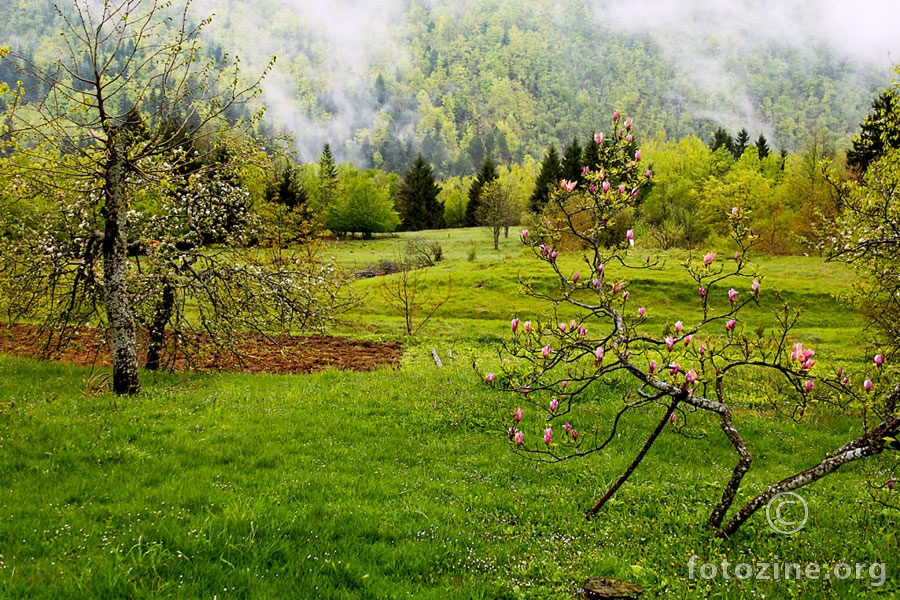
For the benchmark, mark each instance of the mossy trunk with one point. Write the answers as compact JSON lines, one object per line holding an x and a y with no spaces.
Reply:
{"x":115,"y":269}
{"x":161,"y":317}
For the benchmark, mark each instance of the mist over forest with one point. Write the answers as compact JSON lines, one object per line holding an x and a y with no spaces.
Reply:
{"x":462,"y":80}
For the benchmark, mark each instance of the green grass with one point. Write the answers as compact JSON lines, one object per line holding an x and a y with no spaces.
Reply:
{"x":400,"y":483}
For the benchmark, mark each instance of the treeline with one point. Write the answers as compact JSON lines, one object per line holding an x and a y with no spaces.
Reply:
{"x":504,"y":79}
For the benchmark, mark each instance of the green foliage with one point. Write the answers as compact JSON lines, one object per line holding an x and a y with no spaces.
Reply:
{"x":365,"y":205}
{"x":487,"y":174}
{"x":880,"y":132}
{"x":548,"y":179}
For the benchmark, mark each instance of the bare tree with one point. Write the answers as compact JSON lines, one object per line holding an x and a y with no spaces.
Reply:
{"x":130,"y":87}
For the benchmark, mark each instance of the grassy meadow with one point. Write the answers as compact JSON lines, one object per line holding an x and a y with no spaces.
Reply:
{"x":399,"y":483}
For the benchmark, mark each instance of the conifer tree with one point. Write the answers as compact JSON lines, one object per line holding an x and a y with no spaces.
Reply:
{"x":722,"y":139}
{"x":487,"y":174}
{"x":328,"y":177}
{"x":762,"y":147}
{"x":417,"y":198}
{"x":879,"y":132}
{"x":571,"y":162}
{"x":741,"y":141}
{"x":547,"y":179}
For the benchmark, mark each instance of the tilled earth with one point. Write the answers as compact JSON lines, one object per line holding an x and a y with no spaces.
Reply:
{"x":250,"y":353}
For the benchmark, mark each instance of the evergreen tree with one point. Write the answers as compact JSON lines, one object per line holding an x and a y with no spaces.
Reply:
{"x":287,"y":189}
{"x":722,"y":139}
{"x":417,"y":198}
{"x":741,"y":141}
{"x":547,"y":179}
{"x":328,"y":177}
{"x":591,"y":153}
{"x":571,"y":162}
{"x":762,"y":147}
{"x":487,"y":174}
{"x":880,"y":131}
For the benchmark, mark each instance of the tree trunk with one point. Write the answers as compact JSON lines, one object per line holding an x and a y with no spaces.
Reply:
{"x":158,"y":328}
{"x":496,"y":233}
{"x":115,"y":268}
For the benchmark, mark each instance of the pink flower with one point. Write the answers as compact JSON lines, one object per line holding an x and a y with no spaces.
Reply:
{"x":554,"y":404}
{"x":809,"y":386}
{"x":562,"y":327}
{"x":674,"y":368}
{"x":628,"y":123}
{"x":565,"y":384}
{"x":737,"y":257}
{"x":622,"y":188}
{"x":514,"y":324}
{"x":527,"y":326}
{"x":599,"y":353}
{"x":524,"y":234}
{"x":585,"y":170}
{"x":606,"y":186}
{"x":490,"y":378}
{"x":672,"y":418}
{"x":701,"y":350}
{"x":576,"y":277}
{"x":615,"y":116}
{"x":568,"y":185}
{"x":625,"y":295}
{"x":648,"y":174}
{"x":637,"y":156}
{"x":652,"y":366}
{"x":688,"y":339}
{"x":601,"y":270}
{"x":629,"y":237}
{"x":641,"y":311}
{"x":879,"y":360}
{"x":670,"y":343}
{"x":732,"y":295}
{"x":548,"y":435}
{"x":709,"y":258}
{"x":553,"y":255}
{"x":867,"y":384}
{"x":546,"y":350}
{"x":629,"y":138}
{"x":574,"y":435}
{"x":582,"y":331}
{"x":596,"y":283}
{"x":518,"y":416}
{"x":890,"y":483}
{"x":734,"y":210}
{"x":598,"y":138}
{"x":730,"y":325}
{"x":755,"y":286}
{"x":567,"y":428}
{"x":691,"y":376}
{"x":678,"y":327}
{"x":702,"y":292}
{"x":573,"y":325}
{"x":520,"y":438}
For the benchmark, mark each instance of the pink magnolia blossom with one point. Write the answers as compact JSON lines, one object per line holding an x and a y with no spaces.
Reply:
{"x":596,"y":283}
{"x":554,"y":404}
{"x":678,"y":327}
{"x":568,"y":428}
{"x":648,"y":174}
{"x":628,"y":122}
{"x":527,"y":326}
{"x":518,"y":416}
{"x":879,"y":360}
{"x":598,"y":138}
{"x":702,"y":292}
{"x":524,"y":234}
{"x":674,"y":368}
{"x":574,"y":435}
{"x":890,"y":483}
{"x":641,"y":311}
{"x":701,"y":350}
{"x":615,"y":116}
{"x":735,"y":210}
{"x":599,"y":353}
{"x":809,"y":386}
{"x":565,"y":384}
{"x":568,"y":185}
{"x":576,"y":277}
{"x":490,"y":377}
{"x":691,"y":376}
{"x":606,"y":186}
{"x":582,"y":331}
{"x":546,"y":350}
{"x":548,"y":435}
{"x":709,"y":258}
{"x":755,"y":286}
{"x":652,"y":366}
{"x":730,"y":325}
{"x":622,"y":188}
{"x":672,"y":418}
{"x":867,"y":384}
{"x":732,"y":295}
{"x":625,"y":295}
{"x":670,"y":343}
{"x":573,"y":325}
{"x":601,"y":269}
{"x":553,"y":255}
{"x":737,"y":257}
{"x":629,"y":138}
{"x":585,"y":170}
{"x":514,"y":324}
{"x":637,"y":156}
{"x":688,"y":339}
{"x":562,"y":327}
{"x":629,"y":237}
{"x":520,"y":438}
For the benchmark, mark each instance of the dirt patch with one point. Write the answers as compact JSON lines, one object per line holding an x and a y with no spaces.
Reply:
{"x":252,"y":352}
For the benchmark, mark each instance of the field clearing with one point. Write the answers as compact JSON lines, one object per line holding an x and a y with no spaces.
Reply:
{"x":399,"y":482}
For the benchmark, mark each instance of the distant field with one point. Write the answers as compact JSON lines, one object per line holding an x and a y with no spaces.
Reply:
{"x":399,"y":483}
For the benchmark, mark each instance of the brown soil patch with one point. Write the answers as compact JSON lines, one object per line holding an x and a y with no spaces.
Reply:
{"x":252,"y":352}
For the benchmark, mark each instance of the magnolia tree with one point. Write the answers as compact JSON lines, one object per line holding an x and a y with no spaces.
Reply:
{"x":705,"y":362}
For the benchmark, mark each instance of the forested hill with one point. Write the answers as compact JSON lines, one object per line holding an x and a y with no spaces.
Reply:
{"x":463,"y":79}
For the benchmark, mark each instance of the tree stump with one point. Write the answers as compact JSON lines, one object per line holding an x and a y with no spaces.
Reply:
{"x":603,"y":588}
